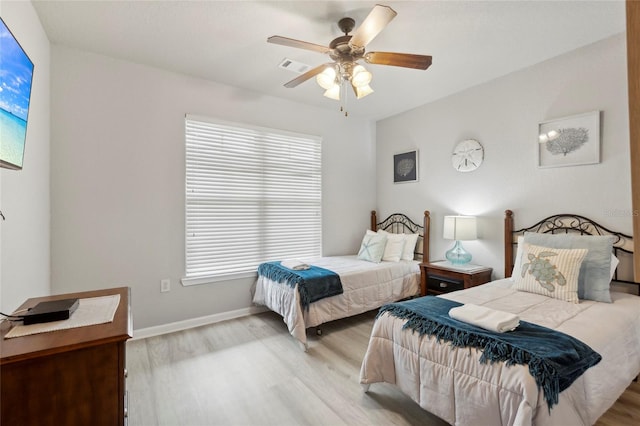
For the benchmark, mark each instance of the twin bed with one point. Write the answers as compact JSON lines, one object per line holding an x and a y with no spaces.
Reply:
{"x":366,"y":284}
{"x":451,"y":382}
{"x":462,"y":384}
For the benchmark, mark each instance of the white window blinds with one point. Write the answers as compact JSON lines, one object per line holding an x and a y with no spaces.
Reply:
{"x":252,"y":195}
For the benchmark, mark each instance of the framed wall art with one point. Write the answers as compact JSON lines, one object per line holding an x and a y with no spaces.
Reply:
{"x":405,"y":167}
{"x":569,"y":141}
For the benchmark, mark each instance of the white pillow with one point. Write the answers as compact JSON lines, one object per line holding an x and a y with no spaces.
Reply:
{"x":551,"y":272}
{"x":613,"y":266}
{"x":372,"y":247}
{"x":409,"y":246}
{"x":517,"y":261}
{"x":393,"y":248}
{"x":410,"y":241}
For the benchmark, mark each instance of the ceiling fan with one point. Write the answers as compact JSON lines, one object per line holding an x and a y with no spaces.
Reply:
{"x":347,"y":50}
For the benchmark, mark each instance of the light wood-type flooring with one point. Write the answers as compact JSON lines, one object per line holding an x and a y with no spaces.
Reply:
{"x":250,"y":371}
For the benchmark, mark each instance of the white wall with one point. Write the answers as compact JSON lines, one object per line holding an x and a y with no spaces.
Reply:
{"x":24,"y":194}
{"x":504,"y":115}
{"x":117,"y":179}
{"x":117,"y":168}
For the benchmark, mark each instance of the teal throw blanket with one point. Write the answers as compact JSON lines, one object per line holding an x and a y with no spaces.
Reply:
{"x":555,"y":359}
{"x":314,"y":283}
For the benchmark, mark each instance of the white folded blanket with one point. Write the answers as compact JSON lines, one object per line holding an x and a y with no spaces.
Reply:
{"x":295,"y":264}
{"x":487,"y":318}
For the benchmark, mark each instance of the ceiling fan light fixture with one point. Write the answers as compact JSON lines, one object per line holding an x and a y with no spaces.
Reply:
{"x":360,"y":76}
{"x":333,"y":92}
{"x":363,"y":91}
{"x":345,"y":52}
{"x":327,"y":78}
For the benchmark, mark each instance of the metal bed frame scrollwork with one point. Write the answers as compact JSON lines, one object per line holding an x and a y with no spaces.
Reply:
{"x":398,"y":223}
{"x":565,"y":223}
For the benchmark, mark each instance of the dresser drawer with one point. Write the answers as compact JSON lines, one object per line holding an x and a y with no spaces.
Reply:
{"x":444,"y":284}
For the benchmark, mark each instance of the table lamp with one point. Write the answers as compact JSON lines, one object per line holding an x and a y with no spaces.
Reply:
{"x":459,"y":228}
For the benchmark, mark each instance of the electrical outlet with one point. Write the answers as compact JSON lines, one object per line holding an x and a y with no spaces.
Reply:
{"x":165,"y":285}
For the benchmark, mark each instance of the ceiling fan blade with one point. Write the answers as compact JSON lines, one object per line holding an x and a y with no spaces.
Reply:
{"x":407,"y":60}
{"x":373,"y":24}
{"x":307,"y":75}
{"x":290,"y":42}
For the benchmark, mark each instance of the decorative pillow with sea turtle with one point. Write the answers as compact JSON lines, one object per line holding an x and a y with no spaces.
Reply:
{"x":595,"y":276}
{"x":550,"y":271}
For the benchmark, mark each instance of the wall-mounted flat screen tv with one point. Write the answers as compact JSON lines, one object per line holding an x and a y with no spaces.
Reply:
{"x":16,"y":77}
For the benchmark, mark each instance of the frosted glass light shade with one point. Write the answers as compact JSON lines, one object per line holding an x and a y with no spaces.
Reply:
{"x":327,"y":78}
{"x":460,"y":228}
{"x":333,"y":92}
{"x":360,"y":76}
{"x":363,"y":91}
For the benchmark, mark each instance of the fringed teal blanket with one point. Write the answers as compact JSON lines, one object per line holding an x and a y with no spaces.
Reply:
{"x":314,"y":283}
{"x":555,"y":359}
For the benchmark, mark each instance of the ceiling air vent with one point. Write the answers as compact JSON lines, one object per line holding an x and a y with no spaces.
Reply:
{"x":297,"y":67}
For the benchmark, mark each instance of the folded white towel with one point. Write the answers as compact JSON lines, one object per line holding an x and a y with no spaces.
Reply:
{"x":295,"y":264}
{"x":487,"y":318}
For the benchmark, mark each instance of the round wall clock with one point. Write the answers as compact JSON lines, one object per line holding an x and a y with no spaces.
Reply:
{"x":467,"y":155}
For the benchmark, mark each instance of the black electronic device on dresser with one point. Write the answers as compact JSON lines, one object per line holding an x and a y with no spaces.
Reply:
{"x":53,"y":310}
{"x":443,"y":277}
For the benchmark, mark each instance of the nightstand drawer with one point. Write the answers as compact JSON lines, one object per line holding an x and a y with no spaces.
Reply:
{"x":441,"y":277}
{"x":444,"y":284}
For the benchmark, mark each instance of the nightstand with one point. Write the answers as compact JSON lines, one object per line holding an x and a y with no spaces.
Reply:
{"x":443,"y":277}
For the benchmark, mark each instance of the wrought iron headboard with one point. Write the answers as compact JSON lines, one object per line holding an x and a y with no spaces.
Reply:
{"x":564,"y":223}
{"x":398,"y":223}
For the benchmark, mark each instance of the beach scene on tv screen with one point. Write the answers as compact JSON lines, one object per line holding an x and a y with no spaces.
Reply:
{"x":16,"y":73}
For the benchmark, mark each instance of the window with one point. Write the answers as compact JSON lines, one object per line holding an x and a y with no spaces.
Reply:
{"x":252,"y":195}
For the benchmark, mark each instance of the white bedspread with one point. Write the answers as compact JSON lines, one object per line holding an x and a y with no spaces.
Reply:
{"x":454,"y":385}
{"x":366,"y":286}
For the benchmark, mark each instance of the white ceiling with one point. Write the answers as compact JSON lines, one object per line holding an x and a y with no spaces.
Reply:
{"x":225,"y":41}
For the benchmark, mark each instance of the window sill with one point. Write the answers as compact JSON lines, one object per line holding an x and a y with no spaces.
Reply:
{"x":212,"y":279}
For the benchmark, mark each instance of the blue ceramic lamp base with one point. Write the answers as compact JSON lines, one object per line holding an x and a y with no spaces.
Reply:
{"x":458,"y":255}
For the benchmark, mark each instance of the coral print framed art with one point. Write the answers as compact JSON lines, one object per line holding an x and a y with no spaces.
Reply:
{"x":405,"y":167}
{"x":569,"y":141}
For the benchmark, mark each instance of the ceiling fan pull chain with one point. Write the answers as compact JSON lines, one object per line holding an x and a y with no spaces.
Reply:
{"x":344,"y":97}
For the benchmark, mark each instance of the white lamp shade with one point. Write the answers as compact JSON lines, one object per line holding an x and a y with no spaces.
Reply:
{"x":327,"y":78}
{"x":363,"y":91}
{"x":333,"y":92}
{"x":460,"y":228}
{"x":360,"y":77}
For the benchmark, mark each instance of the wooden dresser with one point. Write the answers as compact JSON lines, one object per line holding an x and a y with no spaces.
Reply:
{"x":67,"y":377}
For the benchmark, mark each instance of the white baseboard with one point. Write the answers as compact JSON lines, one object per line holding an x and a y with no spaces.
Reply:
{"x":157,"y":330}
